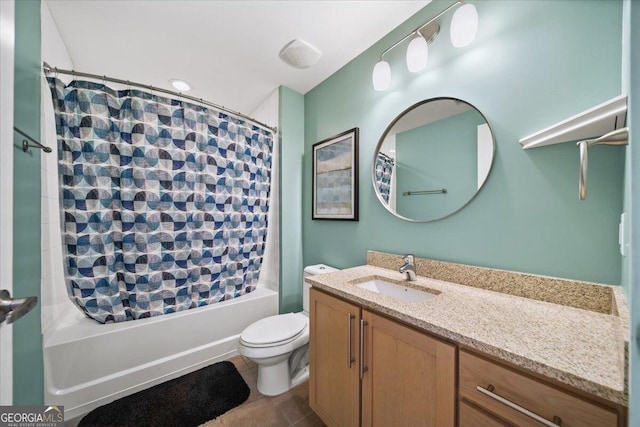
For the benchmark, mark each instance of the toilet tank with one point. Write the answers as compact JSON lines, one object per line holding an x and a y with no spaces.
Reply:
{"x":312,"y":270}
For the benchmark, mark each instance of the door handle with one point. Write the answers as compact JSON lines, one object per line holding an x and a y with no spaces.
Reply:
{"x":363,"y":369}
{"x":350,"y":358}
{"x":557,"y":421}
{"x":11,"y":309}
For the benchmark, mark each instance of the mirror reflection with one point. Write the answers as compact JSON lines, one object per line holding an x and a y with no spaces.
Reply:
{"x":433,"y":159}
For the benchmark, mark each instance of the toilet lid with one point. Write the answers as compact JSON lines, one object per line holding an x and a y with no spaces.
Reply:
{"x":274,"y":329}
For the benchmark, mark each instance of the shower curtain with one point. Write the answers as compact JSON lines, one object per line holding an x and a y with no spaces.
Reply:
{"x":164,"y":202}
{"x":384,"y":170}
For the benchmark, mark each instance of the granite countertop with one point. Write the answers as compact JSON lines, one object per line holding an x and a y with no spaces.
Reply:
{"x":582,"y":348}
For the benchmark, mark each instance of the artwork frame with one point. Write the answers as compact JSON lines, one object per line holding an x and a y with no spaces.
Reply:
{"x":335,"y":187}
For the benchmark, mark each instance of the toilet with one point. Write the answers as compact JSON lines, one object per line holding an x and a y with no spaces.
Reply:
{"x":279,"y":345}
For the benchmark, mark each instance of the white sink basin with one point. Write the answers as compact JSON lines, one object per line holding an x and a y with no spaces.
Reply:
{"x":396,"y":290}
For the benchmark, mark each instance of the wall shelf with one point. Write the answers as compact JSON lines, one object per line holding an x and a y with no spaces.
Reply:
{"x":596,"y":121}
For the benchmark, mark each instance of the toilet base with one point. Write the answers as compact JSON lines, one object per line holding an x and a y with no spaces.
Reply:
{"x":274,"y":379}
{"x":272,"y":382}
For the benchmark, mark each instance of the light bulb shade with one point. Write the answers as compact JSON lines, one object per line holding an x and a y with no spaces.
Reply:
{"x":381,"y":76}
{"x":464,"y":25}
{"x":417,"y":54}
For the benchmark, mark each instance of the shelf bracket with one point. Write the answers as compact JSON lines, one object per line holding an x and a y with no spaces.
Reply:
{"x":616,"y":137}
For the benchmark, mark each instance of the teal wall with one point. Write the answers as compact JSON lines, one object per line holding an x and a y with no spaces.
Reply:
{"x":291,"y":132}
{"x":438,"y":155}
{"x":533,"y":63}
{"x":632,"y":18}
{"x":28,"y":383}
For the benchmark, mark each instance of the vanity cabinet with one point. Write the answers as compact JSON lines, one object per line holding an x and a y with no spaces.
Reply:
{"x":334,"y":379}
{"x":365,"y":368}
{"x":502,"y":396}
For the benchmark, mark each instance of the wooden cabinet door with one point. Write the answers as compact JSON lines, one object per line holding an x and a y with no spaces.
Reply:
{"x":334,"y":383}
{"x":409,"y":377}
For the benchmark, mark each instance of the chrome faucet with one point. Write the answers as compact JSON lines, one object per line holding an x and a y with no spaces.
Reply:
{"x":409,"y":267}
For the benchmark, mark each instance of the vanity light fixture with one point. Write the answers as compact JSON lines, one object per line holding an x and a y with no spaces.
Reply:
{"x":381,"y":75}
{"x":417,"y":54}
{"x":464,"y":27}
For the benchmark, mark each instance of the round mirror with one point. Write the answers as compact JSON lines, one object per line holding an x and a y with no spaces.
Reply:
{"x":433,"y":159}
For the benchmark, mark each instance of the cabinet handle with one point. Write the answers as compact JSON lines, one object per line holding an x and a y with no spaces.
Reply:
{"x":350,"y":359}
{"x":557,"y":422}
{"x":363,"y":368}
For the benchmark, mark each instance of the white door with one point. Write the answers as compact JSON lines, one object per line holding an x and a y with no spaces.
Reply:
{"x":7,"y":38}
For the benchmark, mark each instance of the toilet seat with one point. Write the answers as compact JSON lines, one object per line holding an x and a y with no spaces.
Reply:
{"x":270,"y":345}
{"x":274,"y":331}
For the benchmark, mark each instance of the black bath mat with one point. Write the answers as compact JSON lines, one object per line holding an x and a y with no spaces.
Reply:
{"x":183,"y":402}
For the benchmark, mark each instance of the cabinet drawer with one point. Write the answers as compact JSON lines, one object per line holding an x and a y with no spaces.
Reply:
{"x":503,"y":386}
{"x":472,"y":416}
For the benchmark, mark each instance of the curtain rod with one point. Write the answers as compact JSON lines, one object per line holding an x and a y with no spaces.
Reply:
{"x":49,"y":69}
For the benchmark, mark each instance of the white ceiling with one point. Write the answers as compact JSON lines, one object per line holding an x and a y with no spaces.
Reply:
{"x":227,"y":50}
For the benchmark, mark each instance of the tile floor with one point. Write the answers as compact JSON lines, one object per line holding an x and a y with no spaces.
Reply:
{"x":286,"y":410}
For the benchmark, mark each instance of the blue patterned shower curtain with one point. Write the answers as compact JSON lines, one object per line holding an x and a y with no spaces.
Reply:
{"x":384,"y":171}
{"x":164,"y":202}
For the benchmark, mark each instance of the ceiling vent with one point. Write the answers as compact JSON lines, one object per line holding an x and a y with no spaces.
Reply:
{"x":300,"y":54}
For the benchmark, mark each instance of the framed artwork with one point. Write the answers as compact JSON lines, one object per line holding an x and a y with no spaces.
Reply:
{"x":335,"y":177}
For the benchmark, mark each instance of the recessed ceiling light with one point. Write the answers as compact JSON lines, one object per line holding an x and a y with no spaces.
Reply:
{"x":180,"y":85}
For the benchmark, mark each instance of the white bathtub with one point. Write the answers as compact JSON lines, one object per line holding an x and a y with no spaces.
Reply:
{"x":87,"y":364}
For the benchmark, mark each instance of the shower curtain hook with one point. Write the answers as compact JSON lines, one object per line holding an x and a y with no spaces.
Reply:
{"x":56,"y":68}
{"x":104,"y":80}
